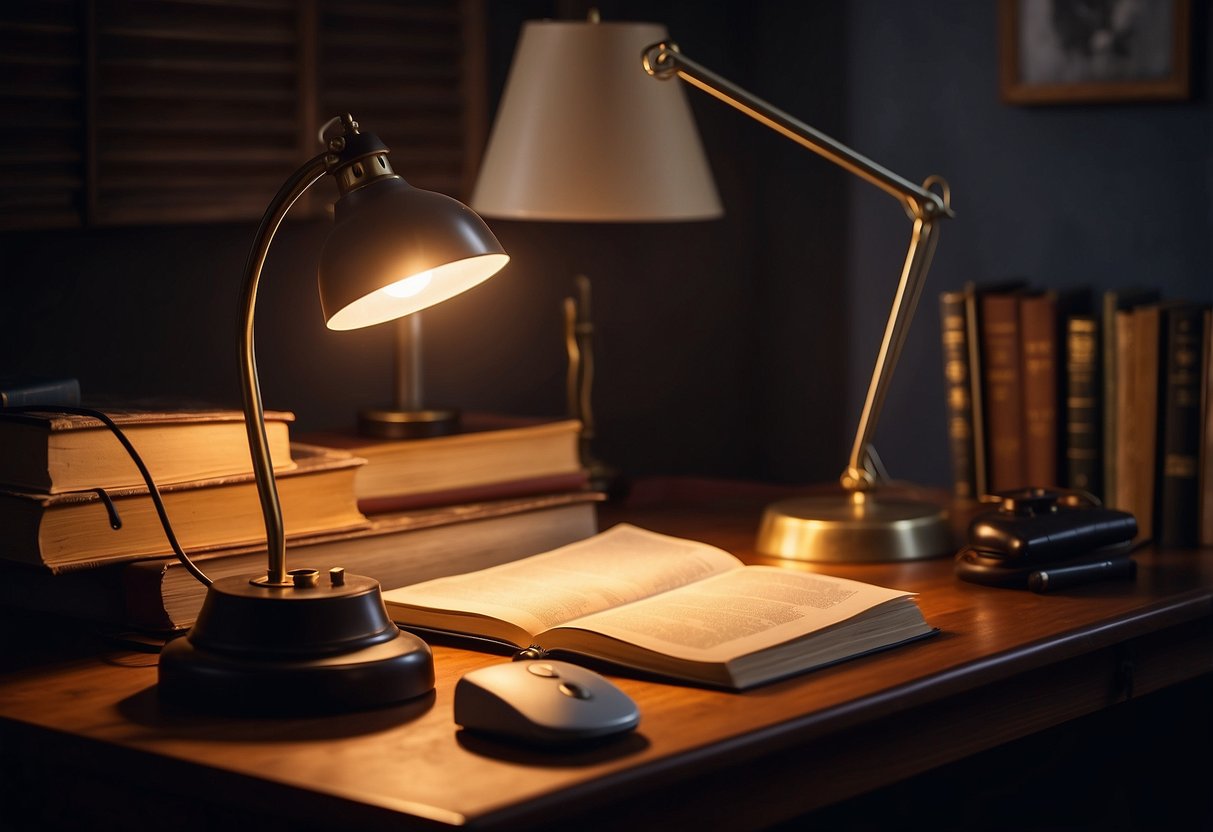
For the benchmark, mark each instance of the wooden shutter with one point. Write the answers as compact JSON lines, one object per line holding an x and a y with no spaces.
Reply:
{"x":42,"y":113}
{"x":120,"y":112}
{"x":409,"y":72}
{"x":197,"y":108}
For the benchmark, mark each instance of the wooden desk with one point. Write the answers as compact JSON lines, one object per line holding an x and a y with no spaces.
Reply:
{"x":85,"y":720}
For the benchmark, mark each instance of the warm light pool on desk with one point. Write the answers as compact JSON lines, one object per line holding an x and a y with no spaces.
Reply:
{"x":287,"y":639}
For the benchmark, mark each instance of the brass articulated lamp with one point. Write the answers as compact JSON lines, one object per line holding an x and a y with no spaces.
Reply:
{"x":864,"y":523}
{"x":296,"y":640}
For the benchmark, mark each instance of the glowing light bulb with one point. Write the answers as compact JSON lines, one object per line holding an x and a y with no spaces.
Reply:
{"x":410,"y":286}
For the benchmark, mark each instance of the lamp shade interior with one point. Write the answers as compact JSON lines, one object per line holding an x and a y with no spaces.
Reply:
{"x":396,"y":249}
{"x":584,"y":134}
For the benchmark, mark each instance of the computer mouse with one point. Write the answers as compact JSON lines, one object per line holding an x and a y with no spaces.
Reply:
{"x":543,"y":702}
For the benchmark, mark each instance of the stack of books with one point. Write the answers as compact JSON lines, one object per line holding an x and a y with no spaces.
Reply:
{"x":1107,"y":394}
{"x":83,"y":537}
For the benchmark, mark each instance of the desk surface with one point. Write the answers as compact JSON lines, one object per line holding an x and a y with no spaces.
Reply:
{"x":1006,"y":663}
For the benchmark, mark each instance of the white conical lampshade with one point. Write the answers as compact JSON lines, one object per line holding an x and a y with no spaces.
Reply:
{"x":584,"y":134}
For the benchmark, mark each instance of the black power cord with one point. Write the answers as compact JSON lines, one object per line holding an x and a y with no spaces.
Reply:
{"x":153,"y":491}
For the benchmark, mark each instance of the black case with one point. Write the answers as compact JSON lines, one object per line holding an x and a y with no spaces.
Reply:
{"x":1033,"y":528}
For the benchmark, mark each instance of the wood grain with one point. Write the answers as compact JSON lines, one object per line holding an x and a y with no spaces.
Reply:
{"x":1005,"y":663}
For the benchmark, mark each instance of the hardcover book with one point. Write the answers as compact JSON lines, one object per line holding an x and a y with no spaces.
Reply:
{"x":1084,"y":406}
{"x":395,"y":549}
{"x":1182,"y":374}
{"x":1139,"y":394}
{"x":679,"y":609}
{"x":1206,"y":442}
{"x":1114,"y":301}
{"x":1043,"y":320}
{"x":973,"y":292}
{"x":492,"y":457}
{"x":85,"y":529}
{"x":958,"y":392}
{"x":1002,"y":369}
{"x":54,"y":453}
{"x":1040,"y":373}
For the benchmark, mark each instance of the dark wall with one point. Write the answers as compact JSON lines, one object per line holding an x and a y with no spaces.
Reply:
{"x":737,"y":347}
{"x":711,"y":334}
{"x":1099,"y":195}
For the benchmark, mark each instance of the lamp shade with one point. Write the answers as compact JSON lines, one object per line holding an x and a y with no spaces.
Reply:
{"x":395,"y":249}
{"x":583,"y":134}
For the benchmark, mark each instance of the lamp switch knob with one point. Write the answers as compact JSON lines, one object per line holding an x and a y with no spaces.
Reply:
{"x":337,"y":576}
{"x":304,"y":577}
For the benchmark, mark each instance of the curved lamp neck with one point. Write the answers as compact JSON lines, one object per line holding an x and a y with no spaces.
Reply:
{"x":254,"y":413}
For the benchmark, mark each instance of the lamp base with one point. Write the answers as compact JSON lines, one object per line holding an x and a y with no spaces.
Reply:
{"x":385,"y":423}
{"x":259,"y":650}
{"x":855,"y":527}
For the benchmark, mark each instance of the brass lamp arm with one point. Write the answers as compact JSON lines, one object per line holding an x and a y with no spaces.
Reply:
{"x":663,"y":60}
{"x":924,"y":207}
{"x":254,"y":414}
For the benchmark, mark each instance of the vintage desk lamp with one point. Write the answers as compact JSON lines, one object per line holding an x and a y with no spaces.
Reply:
{"x":297,"y":640}
{"x":863,"y":523}
{"x":577,"y":139}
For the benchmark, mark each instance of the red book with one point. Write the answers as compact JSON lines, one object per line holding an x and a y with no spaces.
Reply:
{"x":1039,"y":368}
{"x":1002,"y":375}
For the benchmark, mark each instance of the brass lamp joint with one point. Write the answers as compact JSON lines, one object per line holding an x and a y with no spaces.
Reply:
{"x":857,"y":479}
{"x":659,"y":59}
{"x":356,"y":159}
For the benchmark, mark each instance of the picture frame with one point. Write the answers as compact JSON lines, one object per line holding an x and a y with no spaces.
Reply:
{"x":1084,"y":51}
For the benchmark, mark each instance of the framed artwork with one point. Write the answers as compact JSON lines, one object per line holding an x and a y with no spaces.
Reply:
{"x":1078,"y":51}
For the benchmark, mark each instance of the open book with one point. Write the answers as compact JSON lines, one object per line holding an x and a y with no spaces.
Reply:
{"x":677,"y":608}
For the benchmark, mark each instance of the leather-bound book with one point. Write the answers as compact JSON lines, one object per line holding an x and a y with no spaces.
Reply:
{"x":1114,"y":301}
{"x":1039,"y":360}
{"x":1084,"y":406}
{"x":1182,"y":373}
{"x":958,"y":392}
{"x":1003,"y":384}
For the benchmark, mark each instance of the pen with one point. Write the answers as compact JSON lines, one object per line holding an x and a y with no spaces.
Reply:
{"x":1063,"y":577}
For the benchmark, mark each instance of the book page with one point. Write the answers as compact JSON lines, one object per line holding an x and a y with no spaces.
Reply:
{"x":735,"y":613}
{"x":611,"y":568}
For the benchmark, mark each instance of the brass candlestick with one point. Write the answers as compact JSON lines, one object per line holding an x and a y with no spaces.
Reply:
{"x":579,"y":384}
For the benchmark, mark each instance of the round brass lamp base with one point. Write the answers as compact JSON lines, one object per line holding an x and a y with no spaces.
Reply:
{"x":385,"y":423}
{"x":855,"y":527}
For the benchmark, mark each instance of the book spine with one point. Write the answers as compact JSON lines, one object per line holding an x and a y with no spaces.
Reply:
{"x":1118,"y":481}
{"x":981,"y":480}
{"x":1114,"y":303}
{"x":1145,"y":403}
{"x":1039,"y":374}
{"x":1083,"y":437}
{"x":1002,"y":388}
{"x":1178,"y":499}
{"x":1111,"y":379}
{"x":959,"y":402}
{"x":1206,"y":443}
